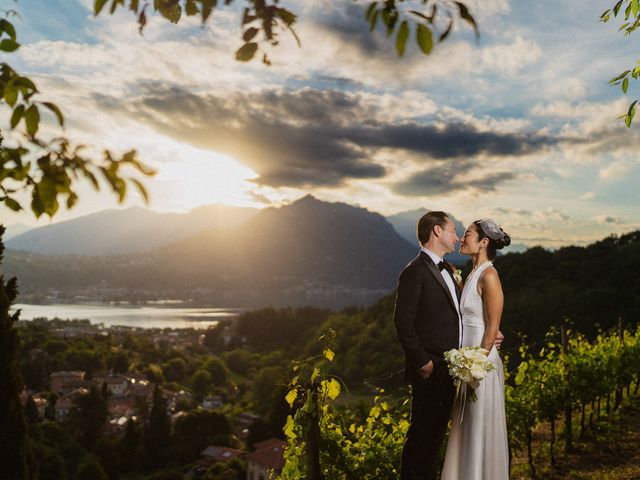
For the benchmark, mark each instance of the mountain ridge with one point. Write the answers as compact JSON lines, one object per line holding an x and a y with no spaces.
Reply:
{"x":306,"y":252}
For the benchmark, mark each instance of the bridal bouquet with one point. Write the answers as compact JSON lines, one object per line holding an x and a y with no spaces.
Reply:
{"x":468,"y":365}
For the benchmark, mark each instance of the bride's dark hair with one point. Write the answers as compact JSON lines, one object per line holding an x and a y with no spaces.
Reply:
{"x":493,"y":245}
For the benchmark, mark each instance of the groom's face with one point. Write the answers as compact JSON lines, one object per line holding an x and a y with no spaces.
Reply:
{"x":448,"y":237}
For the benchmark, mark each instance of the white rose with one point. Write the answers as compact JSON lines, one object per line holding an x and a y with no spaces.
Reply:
{"x":478,"y":371}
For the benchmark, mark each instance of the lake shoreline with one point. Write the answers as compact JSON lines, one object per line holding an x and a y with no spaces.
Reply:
{"x":135,"y":316}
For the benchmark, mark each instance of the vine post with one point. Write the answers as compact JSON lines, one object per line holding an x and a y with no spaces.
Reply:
{"x":568,"y":411}
{"x":618,"y":400}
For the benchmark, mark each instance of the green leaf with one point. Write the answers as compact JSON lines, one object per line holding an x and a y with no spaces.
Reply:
{"x":289,"y":18}
{"x":54,"y":108}
{"x":617,"y":8}
{"x":630,"y":114}
{"x":27,"y":86}
{"x":9,"y":45}
{"x":172,"y":13}
{"x":12,"y":204}
{"x":119,"y":187}
{"x":625,"y":85}
{"x":37,"y":207}
{"x":18,"y":113}
{"x":250,"y":33}
{"x":32,"y":117}
{"x":191,"y":8}
{"x":10,"y":93}
{"x":98,"y":6}
{"x":328,"y":354}
{"x":114,"y":5}
{"x":331,"y":388}
{"x":374,"y":20}
{"x":401,"y":39}
{"x":370,"y":11}
{"x":619,"y":77}
{"x":390,"y":18}
{"x":291,"y":397}
{"x":314,"y":375}
{"x":207,"y":8}
{"x":424,"y":39}
{"x":289,"y":428}
{"x":72,"y":199}
{"x":142,"y":21}
{"x":246,"y":51}
{"x":8,"y":28}
{"x":464,"y":14}
{"x":47,"y":196}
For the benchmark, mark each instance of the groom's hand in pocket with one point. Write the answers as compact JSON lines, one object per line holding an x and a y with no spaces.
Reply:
{"x":426,"y":370}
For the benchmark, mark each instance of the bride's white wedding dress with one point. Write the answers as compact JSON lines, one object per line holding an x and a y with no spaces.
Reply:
{"x":478,"y":447}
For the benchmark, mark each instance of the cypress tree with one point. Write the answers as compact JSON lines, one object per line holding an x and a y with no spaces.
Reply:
{"x":12,"y":424}
{"x":90,"y":417}
{"x":158,"y":432}
{"x":31,"y":413}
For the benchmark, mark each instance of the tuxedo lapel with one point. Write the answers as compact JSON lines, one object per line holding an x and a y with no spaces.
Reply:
{"x":438,"y":276}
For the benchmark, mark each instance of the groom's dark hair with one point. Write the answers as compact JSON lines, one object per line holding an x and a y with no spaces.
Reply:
{"x":427,"y":223}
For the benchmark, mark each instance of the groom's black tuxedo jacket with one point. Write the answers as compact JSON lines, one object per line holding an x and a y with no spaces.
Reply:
{"x":425,"y":314}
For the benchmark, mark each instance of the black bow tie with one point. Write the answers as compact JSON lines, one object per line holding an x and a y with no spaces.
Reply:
{"x":442,"y":265}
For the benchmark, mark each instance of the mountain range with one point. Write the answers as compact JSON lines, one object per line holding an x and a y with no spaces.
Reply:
{"x":307,"y":252}
{"x":131,"y":230}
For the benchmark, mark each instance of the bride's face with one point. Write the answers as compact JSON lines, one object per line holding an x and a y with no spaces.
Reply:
{"x":470,"y":245}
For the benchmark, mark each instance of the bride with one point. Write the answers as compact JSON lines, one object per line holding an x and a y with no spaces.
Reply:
{"x":478,"y":447}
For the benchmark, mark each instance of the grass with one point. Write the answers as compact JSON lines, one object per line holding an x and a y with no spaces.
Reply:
{"x":609,"y":451}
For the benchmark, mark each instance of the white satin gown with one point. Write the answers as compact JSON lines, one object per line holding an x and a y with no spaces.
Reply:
{"x":478,"y":447}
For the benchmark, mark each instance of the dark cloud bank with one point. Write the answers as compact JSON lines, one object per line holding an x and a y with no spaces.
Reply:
{"x":314,"y":137}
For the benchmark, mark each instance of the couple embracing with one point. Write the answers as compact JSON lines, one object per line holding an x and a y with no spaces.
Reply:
{"x":434,"y":315}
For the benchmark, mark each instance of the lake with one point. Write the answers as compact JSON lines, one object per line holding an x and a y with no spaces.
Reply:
{"x":130,"y":315}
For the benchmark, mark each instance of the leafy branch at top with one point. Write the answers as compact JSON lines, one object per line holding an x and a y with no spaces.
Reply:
{"x":263,"y":20}
{"x":631,"y":11}
{"x":48,"y":169}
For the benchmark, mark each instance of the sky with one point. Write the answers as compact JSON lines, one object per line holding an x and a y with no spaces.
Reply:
{"x":519,"y":125}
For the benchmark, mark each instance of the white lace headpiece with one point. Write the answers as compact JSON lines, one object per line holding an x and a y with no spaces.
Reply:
{"x":492,"y":229}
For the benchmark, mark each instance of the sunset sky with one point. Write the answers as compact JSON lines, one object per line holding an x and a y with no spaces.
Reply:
{"x":520,"y":126}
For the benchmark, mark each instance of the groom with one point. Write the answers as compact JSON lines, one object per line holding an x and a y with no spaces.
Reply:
{"x":428,"y":323}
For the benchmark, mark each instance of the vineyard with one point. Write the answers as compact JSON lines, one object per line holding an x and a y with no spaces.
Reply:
{"x":568,"y":385}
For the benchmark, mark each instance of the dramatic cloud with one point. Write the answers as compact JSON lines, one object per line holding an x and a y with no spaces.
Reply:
{"x":312,"y":137}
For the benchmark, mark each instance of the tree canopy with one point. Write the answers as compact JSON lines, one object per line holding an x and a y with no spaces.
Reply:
{"x":48,"y":168}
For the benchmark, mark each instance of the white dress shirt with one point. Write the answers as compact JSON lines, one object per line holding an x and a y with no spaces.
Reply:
{"x":448,"y":279}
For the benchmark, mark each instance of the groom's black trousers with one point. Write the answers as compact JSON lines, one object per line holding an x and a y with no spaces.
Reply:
{"x":430,"y":410}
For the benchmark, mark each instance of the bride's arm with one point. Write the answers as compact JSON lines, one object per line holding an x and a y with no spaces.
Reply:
{"x":493,"y":301}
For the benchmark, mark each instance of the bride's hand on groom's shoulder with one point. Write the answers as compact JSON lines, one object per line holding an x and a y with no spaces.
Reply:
{"x":426,"y":370}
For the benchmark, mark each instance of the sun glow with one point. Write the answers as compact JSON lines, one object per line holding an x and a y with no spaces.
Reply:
{"x":189,"y":177}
